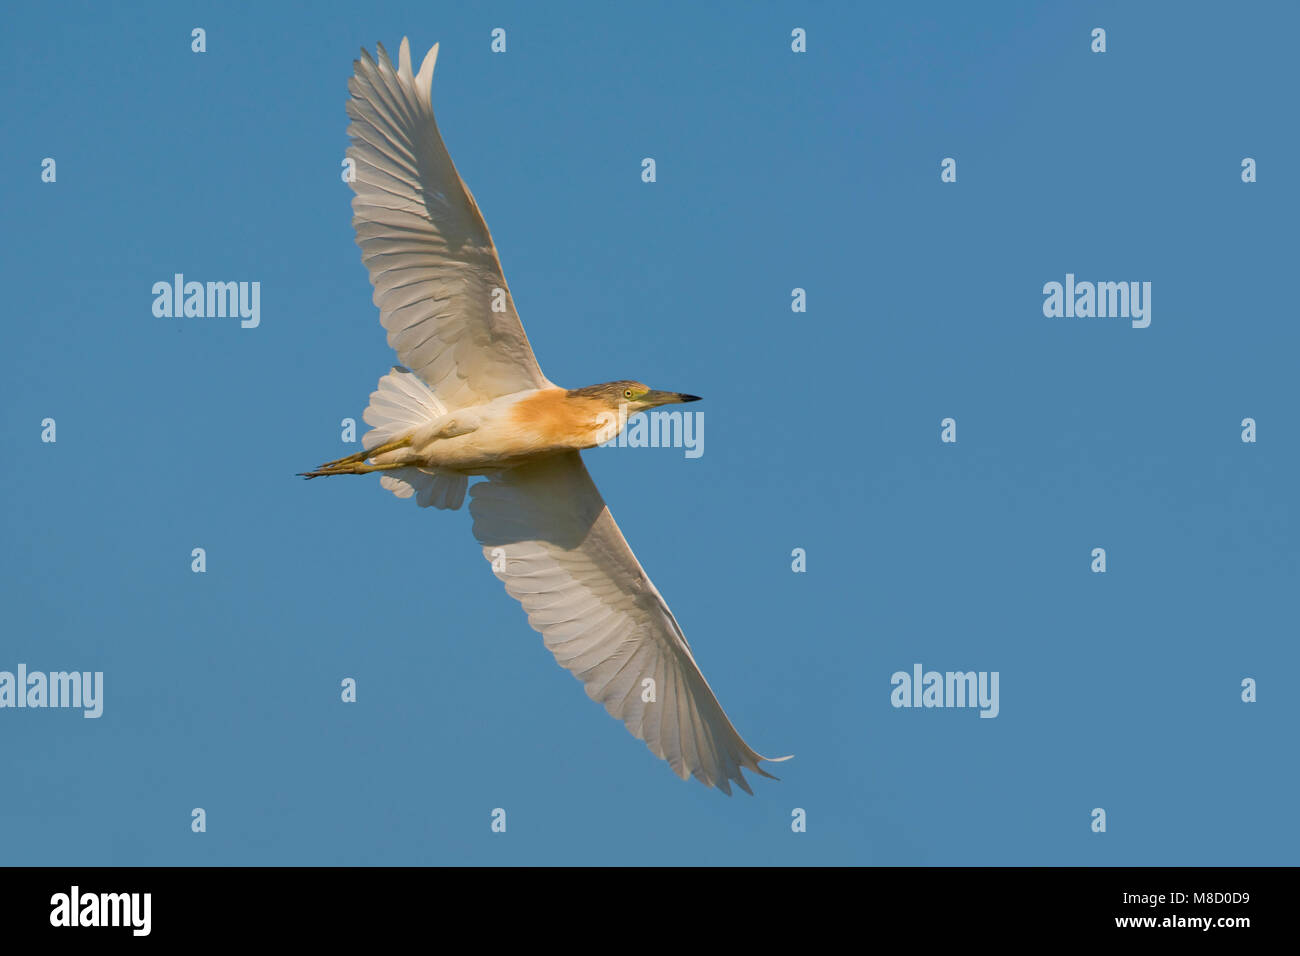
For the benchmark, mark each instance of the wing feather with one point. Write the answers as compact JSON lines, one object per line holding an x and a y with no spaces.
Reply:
{"x":429,"y":253}
{"x":583,"y":589}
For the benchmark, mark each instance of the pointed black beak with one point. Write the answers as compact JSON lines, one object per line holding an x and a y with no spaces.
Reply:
{"x":656,"y":397}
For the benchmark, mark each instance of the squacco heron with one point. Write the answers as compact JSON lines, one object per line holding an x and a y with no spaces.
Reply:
{"x":470,"y":400}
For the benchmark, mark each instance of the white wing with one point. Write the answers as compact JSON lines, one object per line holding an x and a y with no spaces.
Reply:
{"x":571,"y":568}
{"x":429,"y":253}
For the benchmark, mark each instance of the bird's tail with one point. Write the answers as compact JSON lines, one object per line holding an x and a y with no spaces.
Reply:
{"x":400,"y":404}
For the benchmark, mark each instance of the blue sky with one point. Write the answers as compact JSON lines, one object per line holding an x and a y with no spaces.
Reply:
{"x":775,"y":170}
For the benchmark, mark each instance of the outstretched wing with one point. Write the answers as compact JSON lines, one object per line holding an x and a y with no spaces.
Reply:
{"x":430,"y":255}
{"x":555,"y":545}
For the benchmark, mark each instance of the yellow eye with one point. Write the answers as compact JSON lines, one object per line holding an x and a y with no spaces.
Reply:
{"x":627,"y":393}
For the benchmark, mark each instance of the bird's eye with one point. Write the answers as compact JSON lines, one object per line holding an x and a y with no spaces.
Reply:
{"x":627,"y":393}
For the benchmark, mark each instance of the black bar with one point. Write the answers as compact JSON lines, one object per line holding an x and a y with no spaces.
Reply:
{"x":337,"y":905}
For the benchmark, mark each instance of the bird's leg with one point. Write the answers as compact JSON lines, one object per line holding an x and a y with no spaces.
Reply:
{"x":369,"y":453}
{"x":351,"y":468}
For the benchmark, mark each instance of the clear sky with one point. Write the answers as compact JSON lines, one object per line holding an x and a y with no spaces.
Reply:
{"x":775,"y":170}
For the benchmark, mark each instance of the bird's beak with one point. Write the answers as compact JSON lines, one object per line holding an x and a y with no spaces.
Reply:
{"x":655,"y":398}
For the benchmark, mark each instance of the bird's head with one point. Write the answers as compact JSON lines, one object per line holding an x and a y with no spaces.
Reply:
{"x":630,"y":397}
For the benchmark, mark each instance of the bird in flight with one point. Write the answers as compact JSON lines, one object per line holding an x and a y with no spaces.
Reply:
{"x":470,"y":399}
